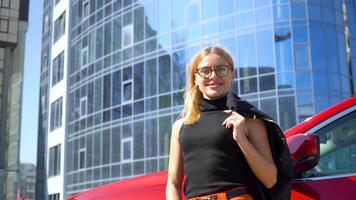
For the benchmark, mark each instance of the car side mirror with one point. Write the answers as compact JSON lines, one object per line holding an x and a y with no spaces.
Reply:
{"x":305,"y":151}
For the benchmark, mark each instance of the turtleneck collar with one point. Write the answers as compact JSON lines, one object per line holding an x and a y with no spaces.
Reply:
{"x":216,"y":104}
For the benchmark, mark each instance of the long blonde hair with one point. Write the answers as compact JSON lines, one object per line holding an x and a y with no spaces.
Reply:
{"x":192,"y":94}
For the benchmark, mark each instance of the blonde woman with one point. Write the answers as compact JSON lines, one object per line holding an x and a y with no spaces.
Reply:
{"x":213,"y":144}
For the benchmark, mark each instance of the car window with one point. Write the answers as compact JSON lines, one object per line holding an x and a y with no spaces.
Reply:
{"x":337,"y":148}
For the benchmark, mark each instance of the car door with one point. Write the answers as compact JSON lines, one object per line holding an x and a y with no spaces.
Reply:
{"x":335,"y":175}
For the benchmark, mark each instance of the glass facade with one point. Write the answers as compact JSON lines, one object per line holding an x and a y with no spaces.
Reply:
{"x":43,"y":122}
{"x":126,"y":72}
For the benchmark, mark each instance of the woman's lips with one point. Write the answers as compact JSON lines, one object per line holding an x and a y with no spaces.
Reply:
{"x":213,"y":85}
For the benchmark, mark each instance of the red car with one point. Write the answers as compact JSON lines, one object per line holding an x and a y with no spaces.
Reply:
{"x":323,"y":149}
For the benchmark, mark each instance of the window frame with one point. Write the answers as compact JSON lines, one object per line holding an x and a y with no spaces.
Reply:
{"x":84,"y":54}
{"x":80,"y":156}
{"x":125,"y":29}
{"x":6,"y":21}
{"x":86,"y":3}
{"x":123,"y":141}
{"x":123,"y":84}
{"x":83,"y":100}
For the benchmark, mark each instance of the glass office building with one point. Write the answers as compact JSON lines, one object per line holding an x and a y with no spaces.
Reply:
{"x":126,"y":64}
{"x":13,"y":28}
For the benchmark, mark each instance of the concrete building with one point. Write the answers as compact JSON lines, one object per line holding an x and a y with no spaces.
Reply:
{"x":13,"y":28}
{"x":113,"y":75}
{"x":27,"y":183}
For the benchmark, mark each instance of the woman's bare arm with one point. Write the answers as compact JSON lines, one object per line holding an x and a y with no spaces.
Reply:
{"x":251,"y":136}
{"x":175,"y":168}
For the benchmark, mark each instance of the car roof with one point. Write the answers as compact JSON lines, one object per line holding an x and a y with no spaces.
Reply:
{"x":311,"y":122}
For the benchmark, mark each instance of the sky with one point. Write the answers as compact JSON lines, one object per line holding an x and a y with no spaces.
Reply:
{"x":30,"y":103}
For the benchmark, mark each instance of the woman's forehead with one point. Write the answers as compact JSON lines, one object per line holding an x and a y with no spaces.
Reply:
{"x":212,"y":59}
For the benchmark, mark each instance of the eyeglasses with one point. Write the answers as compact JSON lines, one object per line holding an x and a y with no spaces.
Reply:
{"x":222,"y":70}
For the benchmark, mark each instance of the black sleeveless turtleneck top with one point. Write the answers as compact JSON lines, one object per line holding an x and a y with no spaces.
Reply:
{"x":213,"y":161}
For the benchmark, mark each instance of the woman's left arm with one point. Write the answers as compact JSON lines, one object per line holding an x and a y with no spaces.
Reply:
{"x":257,"y":152}
{"x":251,"y":136}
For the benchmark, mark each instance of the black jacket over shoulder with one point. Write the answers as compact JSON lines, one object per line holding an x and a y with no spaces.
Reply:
{"x":280,"y":152}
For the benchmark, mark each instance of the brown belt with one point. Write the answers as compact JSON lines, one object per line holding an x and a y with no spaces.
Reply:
{"x":235,"y":193}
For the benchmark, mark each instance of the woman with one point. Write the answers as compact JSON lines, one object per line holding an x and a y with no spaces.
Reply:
{"x":210,"y":144}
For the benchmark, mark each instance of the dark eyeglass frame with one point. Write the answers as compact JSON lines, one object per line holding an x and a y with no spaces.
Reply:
{"x":215,"y":69}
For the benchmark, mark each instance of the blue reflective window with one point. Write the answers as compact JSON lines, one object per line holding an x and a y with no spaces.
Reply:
{"x":267,"y":82}
{"x":227,"y":24}
{"x":164,"y":101}
{"x":151,"y":137}
{"x":164,"y":41}
{"x":300,"y":34}
{"x":285,"y":80}
{"x":329,"y":3}
{"x":209,"y":9}
{"x":243,"y":5}
{"x":138,"y":81}
{"x":117,"y":33}
{"x":245,"y":19}
{"x":263,"y":15}
{"x":99,"y":42}
{"x":261,"y":3}
{"x":317,"y":48}
{"x":305,"y":107}
{"x":178,"y":14}
{"x":287,"y":112}
{"x":194,"y":33}
{"x":283,"y":49}
{"x":107,"y":38}
{"x":279,"y":1}
{"x":321,"y":103}
{"x":151,"y":104}
{"x":334,"y":82}
{"x":298,"y":11}
{"x":178,"y":61}
{"x":164,"y":134}
{"x":116,"y":88}
{"x":331,"y":57}
{"x":138,"y":24}
{"x":178,"y":37}
{"x":320,"y":81}
{"x":265,"y":49}
{"x":246,"y":54}
{"x":226,"y":7}
{"x":193,"y":13}
{"x":178,"y":99}
{"x":248,"y":85}
{"x":329,"y":15}
{"x":150,"y":19}
{"x":164,"y":71}
{"x":269,"y":106}
{"x":314,"y":12}
{"x":301,"y":57}
{"x":303,"y":80}
{"x":281,"y":13}
{"x":151,"y":77}
{"x":351,"y":18}
{"x":138,"y":140}
{"x":345,"y":83}
{"x":210,"y":28}
{"x":164,"y":18}
{"x":230,"y":45}
{"x":339,"y":18}
{"x":344,"y":70}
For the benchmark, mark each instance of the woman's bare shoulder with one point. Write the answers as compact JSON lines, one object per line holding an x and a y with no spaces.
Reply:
{"x":178,"y":124}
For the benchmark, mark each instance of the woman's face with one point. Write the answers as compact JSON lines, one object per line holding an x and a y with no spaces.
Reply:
{"x":214,"y":86}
